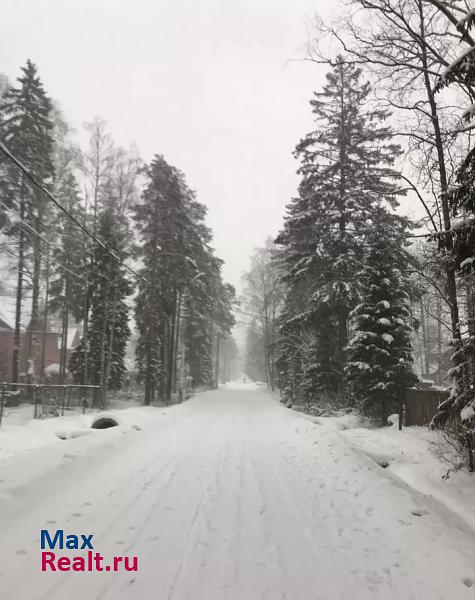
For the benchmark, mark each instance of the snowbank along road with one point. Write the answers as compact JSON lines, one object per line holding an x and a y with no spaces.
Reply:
{"x":229,"y":496}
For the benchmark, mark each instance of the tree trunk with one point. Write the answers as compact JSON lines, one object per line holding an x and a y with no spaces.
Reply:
{"x":19,"y":291}
{"x":45,"y":322}
{"x":110,"y":351}
{"x":64,"y":341}
{"x":170,"y":357}
{"x":439,"y":342}
{"x":447,"y":241}
{"x":176,"y":347}
{"x":35,"y":295}
{"x":101,"y":379}
{"x":148,"y":370}
{"x":425,"y":342}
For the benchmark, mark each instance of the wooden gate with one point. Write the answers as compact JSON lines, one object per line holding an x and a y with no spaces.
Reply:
{"x":421,"y":405}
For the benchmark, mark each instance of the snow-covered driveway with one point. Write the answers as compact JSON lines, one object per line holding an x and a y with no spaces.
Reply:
{"x":228,"y":496}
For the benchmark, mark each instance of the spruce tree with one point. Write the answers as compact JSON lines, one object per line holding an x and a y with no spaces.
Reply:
{"x":198,"y":345}
{"x":108,"y":326}
{"x":27,"y":132}
{"x":347,"y":174}
{"x":379,"y":367}
{"x":209,"y":303}
{"x":182,"y":302}
{"x":163,"y":223}
{"x":70,"y":265}
{"x":456,"y":413}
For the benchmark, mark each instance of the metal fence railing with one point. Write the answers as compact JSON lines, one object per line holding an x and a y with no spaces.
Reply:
{"x":49,"y":400}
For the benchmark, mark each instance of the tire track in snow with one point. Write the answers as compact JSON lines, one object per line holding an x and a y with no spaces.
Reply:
{"x":141,"y":496}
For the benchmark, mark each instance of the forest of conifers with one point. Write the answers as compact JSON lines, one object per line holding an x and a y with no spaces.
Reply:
{"x":96,"y":248}
{"x":368,"y":287}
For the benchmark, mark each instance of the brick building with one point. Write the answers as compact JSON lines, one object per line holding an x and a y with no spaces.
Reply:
{"x":45,"y":345}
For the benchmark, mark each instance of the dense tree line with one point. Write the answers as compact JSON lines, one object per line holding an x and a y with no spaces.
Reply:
{"x":130,"y":213}
{"x":262,"y":301}
{"x":180,"y":274}
{"x":344,"y":320}
{"x":365,"y":292}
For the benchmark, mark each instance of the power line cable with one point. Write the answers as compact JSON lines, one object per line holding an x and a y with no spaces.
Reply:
{"x":78,"y":223}
{"x":30,"y":228}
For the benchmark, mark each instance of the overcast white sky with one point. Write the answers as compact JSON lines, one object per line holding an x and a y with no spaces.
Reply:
{"x":206,"y":83}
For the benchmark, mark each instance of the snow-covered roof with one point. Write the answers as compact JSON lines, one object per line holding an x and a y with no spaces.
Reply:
{"x":74,"y":333}
{"x":5,"y":322}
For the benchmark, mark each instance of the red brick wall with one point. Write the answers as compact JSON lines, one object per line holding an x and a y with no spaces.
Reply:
{"x":6,"y":352}
{"x":52,"y":353}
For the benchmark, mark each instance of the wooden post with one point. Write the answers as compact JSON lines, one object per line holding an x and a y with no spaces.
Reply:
{"x":401,"y":409}
{"x":176,"y":342}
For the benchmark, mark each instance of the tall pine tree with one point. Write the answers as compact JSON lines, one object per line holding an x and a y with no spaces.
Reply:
{"x":70,"y":265}
{"x":27,"y":132}
{"x":163,"y":224}
{"x":347,"y":174}
{"x":108,"y":327}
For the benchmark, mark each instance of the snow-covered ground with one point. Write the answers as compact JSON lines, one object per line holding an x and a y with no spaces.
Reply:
{"x":424,"y":460}
{"x":231,"y":496}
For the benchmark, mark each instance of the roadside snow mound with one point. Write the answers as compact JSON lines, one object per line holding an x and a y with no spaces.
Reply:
{"x":416,"y":455}
{"x":17,"y":439}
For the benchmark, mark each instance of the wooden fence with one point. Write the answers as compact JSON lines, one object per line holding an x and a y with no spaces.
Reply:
{"x":420,"y":405}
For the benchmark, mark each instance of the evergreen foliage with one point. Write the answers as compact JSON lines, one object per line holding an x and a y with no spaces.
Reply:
{"x":181,"y":288}
{"x":108,"y":328}
{"x":255,"y":364}
{"x":347,"y":175}
{"x":380,"y":349}
{"x":27,"y":130}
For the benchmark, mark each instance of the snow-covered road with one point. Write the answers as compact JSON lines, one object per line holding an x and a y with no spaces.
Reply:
{"x":229,"y":496}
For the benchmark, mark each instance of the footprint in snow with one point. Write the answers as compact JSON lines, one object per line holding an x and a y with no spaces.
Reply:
{"x":77,"y":514}
{"x":468,"y":581}
{"x":419,"y":512}
{"x":21,"y":551}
